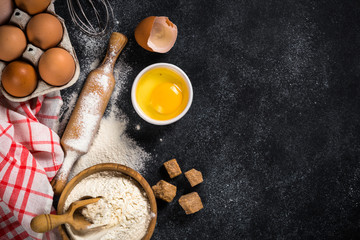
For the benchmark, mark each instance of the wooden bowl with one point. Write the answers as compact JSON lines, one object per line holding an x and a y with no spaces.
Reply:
{"x":110,"y":167}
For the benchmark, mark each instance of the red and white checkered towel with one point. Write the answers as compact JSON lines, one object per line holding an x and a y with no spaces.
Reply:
{"x":30,"y":155}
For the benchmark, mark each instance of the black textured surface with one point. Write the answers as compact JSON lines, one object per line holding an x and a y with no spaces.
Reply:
{"x":274,"y":126}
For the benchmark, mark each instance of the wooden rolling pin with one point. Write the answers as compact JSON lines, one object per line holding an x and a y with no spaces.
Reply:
{"x":89,"y":109}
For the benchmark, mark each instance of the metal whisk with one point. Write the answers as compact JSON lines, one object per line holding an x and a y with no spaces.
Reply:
{"x":101,"y":14}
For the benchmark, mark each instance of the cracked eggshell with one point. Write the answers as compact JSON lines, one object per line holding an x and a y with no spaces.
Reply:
{"x":156,"y":34}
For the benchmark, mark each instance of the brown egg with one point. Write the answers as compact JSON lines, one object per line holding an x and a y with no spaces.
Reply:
{"x":56,"y":66}
{"x":12,"y":42}
{"x":156,"y":34}
{"x":19,"y":79}
{"x":6,"y":10}
{"x":44,"y":30}
{"x":32,"y":6}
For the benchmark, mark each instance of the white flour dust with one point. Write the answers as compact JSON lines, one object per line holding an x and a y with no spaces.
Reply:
{"x":112,"y":145}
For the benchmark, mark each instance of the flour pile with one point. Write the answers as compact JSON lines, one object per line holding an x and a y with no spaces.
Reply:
{"x":112,"y":145}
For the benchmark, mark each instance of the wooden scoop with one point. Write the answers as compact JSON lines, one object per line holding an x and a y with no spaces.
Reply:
{"x":46,"y":222}
{"x":89,"y":109}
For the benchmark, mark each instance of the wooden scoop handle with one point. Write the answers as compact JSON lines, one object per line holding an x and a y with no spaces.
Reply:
{"x":46,"y":222}
{"x":59,"y":181}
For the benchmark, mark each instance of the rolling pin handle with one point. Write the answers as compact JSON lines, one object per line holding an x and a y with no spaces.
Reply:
{"x":60,"y":180}
{"x":117,"y":43}
{"x":58,"y":186}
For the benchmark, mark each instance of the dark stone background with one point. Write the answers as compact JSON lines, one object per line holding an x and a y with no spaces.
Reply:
{"x":274,"y":125}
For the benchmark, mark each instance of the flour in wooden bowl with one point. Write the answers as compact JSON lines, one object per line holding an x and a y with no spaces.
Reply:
{"x":124,"y":208}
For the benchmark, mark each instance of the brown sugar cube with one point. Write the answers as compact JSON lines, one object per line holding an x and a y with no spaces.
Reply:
{"x":164,"y":191}
{"x":172,"y":167}
{"x":191,"y":203}
{"x":194,"y":177}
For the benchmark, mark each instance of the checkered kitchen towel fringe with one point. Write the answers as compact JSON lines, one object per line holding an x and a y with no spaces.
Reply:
{"x":30,"y":155}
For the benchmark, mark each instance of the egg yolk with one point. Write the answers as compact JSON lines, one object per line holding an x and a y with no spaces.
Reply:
{"x":166,"y":98}
{"x":161,"y":93}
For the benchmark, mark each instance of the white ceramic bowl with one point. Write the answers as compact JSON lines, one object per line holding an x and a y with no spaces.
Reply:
{"x":140,"y":111}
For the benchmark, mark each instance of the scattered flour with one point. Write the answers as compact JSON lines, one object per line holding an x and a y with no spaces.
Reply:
{"x":112,"y":145}
{"x":95,"y":64}
{"x":121,"y":73}
{"x":124,"y":208}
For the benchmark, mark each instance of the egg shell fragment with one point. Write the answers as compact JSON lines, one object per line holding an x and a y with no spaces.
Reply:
{"x":12,"y":42}
{"x":19,"y":79}
{"x":156,"y":34}
{"x":32,"y":6}
{"x":142,"y":32}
